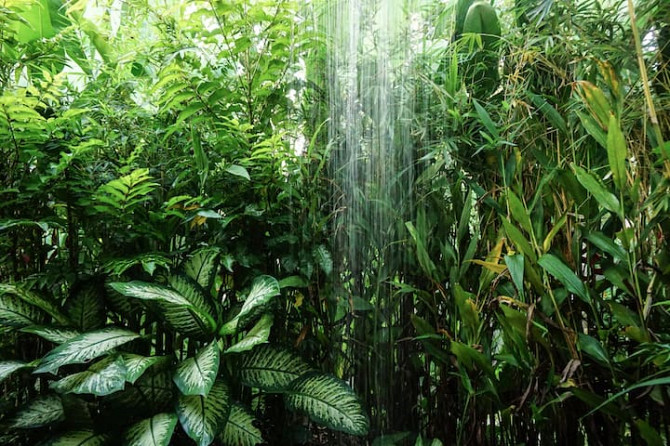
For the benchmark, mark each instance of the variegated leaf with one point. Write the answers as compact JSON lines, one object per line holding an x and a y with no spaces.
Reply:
{"x":79,"y":438}
{"x":195,"y":376}
{"x":257,"y":335}
{"x":36,"y":300}
{"x":85,"y":347}
{"x":136,"y":365}
{"x":9,"y":367}
{"x":240,"y":429}
{"x":154,"y":431}
{"x":204,"y":417}
{"x":15,"y":312}
{"x":271,"y":369}
{"x":328,"y":401}
{"x":102,"y":378}
{"x":262,"y":291}
{"x":202,"y":265}
{"x":41,"y":411}
{"x":52,"y":334}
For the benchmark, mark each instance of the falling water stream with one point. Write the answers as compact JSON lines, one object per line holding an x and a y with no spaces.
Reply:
{"x":372,"y":46}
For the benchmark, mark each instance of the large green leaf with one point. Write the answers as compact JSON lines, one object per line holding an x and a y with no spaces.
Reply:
{"x":85,"y":347}
{"x":240,"y":429}
{"x":56,"y":335}
{"x":102,"y":378}
{"x":257,"y":335}
{"x":9,"y":367}
{"x":329,"y":401}
{"x":554,"y":266}
{"x":151,"y":392}
{"x":202,"y":265}
{"x":271,"y":369}
{"x":41,"y":411}
{"x":79,"y":438}
{"x":196,"y":376}
{"x":154,"y":431}
{"x":203,"y":417}
{"x":15,"y":312}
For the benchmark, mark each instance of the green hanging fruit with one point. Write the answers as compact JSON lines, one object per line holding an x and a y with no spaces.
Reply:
{"x":480,"y":68}
{"x":482,"y":19}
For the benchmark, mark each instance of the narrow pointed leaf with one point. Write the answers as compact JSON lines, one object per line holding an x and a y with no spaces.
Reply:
{"x":103,"y":378}
{"x":271,"y":369}
{"x":519,"y":212}
{"x":240,"y":429}
{"x":195,"y":376}
{"x":79,"y":438}
{"x":592,"y":347}
{"x":154,"y":431}
{"x":204,"y":417}
{"x":515,"y":265}
{"x":41,"y":411}
{"x":604,"y":197}
{"x":257,"y":335}
{"x":85,"y":347}
{"x":617,"y":152}
{"x":328,"y":401}
{"x":554,"y":266}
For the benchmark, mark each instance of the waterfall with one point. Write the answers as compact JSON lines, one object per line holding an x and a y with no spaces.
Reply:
{"x":370,"y":68}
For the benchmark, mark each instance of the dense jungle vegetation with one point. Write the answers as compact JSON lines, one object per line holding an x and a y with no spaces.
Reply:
{"x":355,"y":222}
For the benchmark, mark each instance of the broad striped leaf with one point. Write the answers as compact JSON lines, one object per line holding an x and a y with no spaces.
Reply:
{"x":329,"y":401}
{"x":154,"y":392}
{"x":554,"y":266}
{"x":79,"y":438}
{"x":85,"y":347}
{"x":204,"y":417}
{"x":182,"y":314}
{"x":52,"y":334}
{"x":154,"y":431}
{"x":41,"y":411}
{"x":86,"y":309}
{"x":240,"y":429}
{"x":257,"y":335}
{"x":102,"y":378}
{"x":262,"y":291}
{"x":136,"y":365}
{"x":15,"y":312}
{"x":271,"y":369}
{"x":323,"y":259}
{"x":9,"y":367}
{"x":202,"y":265}
{"x":195,"y":376}
{"x":36,"y":300}
{"x":150,"y":291}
